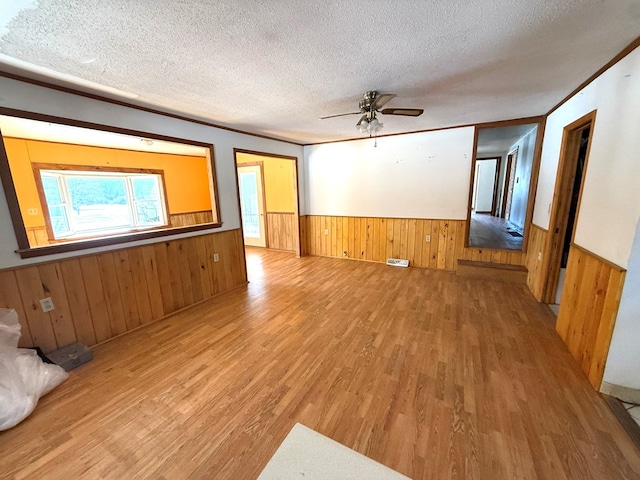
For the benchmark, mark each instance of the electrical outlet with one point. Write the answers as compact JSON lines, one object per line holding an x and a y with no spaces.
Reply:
{"x":539,"y":255}
{"x":427,"y":238}
{"x":33,"y":211}
{"x":47,"y":304}
{"x":216,"y":257}
{"x":326,"y":231}
{"x":344,"y":254}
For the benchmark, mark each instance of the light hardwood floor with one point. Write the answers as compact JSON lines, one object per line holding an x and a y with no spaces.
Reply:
{"x":488,"y":231}
{"x":434,"y":375}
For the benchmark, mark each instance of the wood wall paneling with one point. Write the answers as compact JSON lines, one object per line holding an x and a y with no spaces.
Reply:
{"x":191,"y":218}
{"x":376,"y":239}
{"x":281,"y":231}
{"x":98,"y":297}
{"x":590,"y":301}
{"x":9,"y":291}
{"x":535,"y":260}
{"x":304,"y":237}
{"x":38,"y":236}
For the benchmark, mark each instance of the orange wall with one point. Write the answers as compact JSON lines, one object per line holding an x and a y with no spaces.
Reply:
{"x":186,"y":177}
{"x":278,"y":181}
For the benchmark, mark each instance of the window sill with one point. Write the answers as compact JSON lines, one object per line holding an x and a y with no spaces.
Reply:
{"x":113,"y":240}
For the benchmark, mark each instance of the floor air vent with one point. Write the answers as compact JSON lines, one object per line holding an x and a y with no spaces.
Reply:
{"x":397,"y":262}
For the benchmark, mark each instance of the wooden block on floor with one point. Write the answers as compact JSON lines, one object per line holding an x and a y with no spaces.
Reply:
{"x":493,"y":271}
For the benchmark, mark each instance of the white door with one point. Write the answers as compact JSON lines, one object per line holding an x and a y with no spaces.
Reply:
{"x":485,"y":183}
{"x":252,"y":205}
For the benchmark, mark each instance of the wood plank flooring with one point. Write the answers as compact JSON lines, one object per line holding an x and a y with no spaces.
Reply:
{"x":436,"y":376}
{"x":491,"y":232}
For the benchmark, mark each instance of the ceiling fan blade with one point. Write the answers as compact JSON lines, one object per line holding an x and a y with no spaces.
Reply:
{"x":408,"y":112}
{"x":340,"y":115}
{"x":363,"y":117}
{"x":381,"y":100}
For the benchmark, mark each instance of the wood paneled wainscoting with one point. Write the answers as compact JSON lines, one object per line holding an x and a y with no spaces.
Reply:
{"x":588,"y":310}
{"x":281,"y":231}
{"x":191,"y":218}
{"x":304,"y":236}
{"x":376,"y":239}
{"x":100,"y":296}
{"x":38,"y":236}
{"x":535,"y":261}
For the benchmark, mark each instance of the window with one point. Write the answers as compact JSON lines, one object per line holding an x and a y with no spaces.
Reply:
{"x":91,"y":202}
{"x":72,"y":185}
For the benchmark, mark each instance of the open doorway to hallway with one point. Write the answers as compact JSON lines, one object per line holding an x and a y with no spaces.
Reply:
{"x":268,"y":191}
{"x":504,"y":161}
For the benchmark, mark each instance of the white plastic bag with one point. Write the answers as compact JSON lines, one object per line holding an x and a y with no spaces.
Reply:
{"x":24,"y":377}
{"x":9,"y":329}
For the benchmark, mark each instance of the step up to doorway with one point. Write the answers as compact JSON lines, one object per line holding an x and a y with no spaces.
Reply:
{"x":493,"y":271}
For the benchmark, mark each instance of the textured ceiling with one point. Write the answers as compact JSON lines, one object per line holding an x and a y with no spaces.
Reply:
{"x":498,"y":140}
{"x":275,"y":67}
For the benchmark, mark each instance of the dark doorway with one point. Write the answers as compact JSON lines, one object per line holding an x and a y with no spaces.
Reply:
{"x":575,"y":194}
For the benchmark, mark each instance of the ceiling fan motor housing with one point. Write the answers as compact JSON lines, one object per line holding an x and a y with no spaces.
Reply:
{"x":367,"y":103}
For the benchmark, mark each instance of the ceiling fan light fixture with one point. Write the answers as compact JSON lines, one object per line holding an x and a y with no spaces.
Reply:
{"x":370,"y":126}
{"x":370,"y":106}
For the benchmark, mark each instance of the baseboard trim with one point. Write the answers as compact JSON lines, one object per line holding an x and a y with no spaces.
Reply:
{"x":626,"y":394}
{"x":630,"y":426}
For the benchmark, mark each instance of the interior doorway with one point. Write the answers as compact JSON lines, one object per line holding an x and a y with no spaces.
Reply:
{"x":272,"y":220}
{"x":500,"y":211}
{"x":485,"y":185}
{"x":251,"y":186}
{"x":571,"y":171}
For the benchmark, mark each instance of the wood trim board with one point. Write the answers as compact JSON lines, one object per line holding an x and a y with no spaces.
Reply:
{"x":623,"y":53}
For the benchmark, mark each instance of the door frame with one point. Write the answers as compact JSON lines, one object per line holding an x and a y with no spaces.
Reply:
{"x":562,"y":193}
{"x":541,"y":121}
{"x":512,"y":165}
{"x":505,"y":187}
{"x":296,"y":192}
{"x":264,"y":201}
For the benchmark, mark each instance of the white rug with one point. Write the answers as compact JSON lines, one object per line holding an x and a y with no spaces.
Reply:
{"x":306,"y":454}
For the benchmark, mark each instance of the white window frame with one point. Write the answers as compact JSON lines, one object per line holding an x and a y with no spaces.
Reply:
{"x":63,"y":173}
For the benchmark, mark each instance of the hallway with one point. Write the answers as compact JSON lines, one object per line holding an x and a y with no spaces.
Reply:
{"x":488,"y":231}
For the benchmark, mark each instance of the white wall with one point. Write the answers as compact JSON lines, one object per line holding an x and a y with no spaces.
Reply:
{"x":610,"y":206}
{"x":623,"y":362}
{"x":32,"y":98}
{"x":421,"y":175}
{"x":609,"y":213}
{"x":526,"y":147}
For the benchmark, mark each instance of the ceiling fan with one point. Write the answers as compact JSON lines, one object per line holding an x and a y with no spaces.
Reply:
{"x":371,"y":105}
